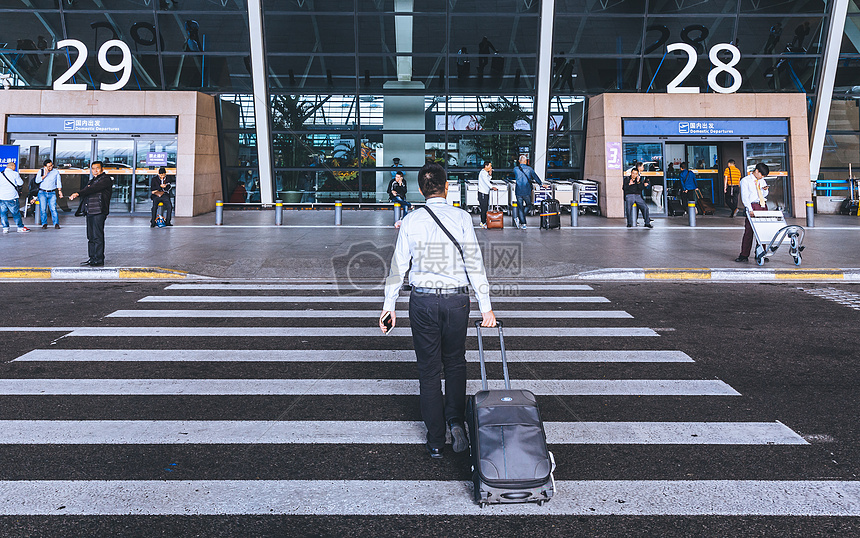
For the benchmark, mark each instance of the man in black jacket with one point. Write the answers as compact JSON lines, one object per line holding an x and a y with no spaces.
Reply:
{"x":96,"y":206}
{"x":160,"y":188}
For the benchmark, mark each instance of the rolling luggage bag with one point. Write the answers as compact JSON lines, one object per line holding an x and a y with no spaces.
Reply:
{"x":704,"y":205}
{"x":550,"y":214}
{"x":675,"y":209}
{"x":510,"y":460}
{"x":495,"y":219}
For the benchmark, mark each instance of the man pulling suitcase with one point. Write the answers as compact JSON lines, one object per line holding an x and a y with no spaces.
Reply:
{"x":441,"y":245}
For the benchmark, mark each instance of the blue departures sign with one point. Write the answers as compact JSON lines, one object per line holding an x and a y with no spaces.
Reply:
{"x":7,"y":154}
{"x":92,"y":124}
{"x":705,"y":127}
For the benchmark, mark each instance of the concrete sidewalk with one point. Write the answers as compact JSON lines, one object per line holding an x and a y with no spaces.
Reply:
{"x":308,"y":245}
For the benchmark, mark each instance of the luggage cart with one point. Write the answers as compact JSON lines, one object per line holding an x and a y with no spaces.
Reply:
{"x":770,"y":231}
{"x":585,"y":192}
{"x":472,"y":197}
{"x":453,"y":192}
{"x":541,"y":193}
{"x":502,"y":196}
{"x":563,"y":192}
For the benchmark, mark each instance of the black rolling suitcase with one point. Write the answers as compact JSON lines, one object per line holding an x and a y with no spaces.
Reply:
{"x":550,"y":214}
{"x":675,"y":209}
{"x":510,"y":460}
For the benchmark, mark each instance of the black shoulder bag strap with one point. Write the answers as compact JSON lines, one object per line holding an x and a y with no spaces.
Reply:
{"x":17,"y":187}
{"x":453,"y":240}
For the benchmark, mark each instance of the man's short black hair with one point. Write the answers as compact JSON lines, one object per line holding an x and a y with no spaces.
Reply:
{"x":101,"y":164}
{"x":398,"y":173}
{"x":763,"y":169}
{"x":431,"y":180}
{"x":486,"y":163}
{"x":731,"y":161}
{"x":162,"y":170}
{"x":683,"y":166}
{"x":47,"y":162}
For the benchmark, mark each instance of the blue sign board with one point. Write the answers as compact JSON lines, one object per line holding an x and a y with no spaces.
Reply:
{"x":156,"y":158}
{"x":7,"y":154}
{"x":705,"y":127}
{"x":92,"y":124}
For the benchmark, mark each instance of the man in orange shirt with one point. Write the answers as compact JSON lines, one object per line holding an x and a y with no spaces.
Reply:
{"x":731,"y":182}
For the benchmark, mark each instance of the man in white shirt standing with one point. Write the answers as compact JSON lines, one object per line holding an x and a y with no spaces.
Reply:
{"x":485,"y":177}
{"x":439,"y":303}
{"x":10,"y":199}
{"x":753,"y":194}
{"x":50,"y":185}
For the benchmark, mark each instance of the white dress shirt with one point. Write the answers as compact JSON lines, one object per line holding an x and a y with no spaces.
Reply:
{"x":436,"y":262}
{"x":51,"y":180}
{"x":749,"y":193}
{"x":7,"y":191}
{"x":484,"y":184}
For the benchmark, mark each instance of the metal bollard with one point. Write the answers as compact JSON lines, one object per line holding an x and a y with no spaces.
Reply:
{"x":514,"y":217}
{"x":37,"y":213}
{"x":396,"y":211}
{"x":810,"y":215}
{"x":160,"y":210}
{"x":279,"y":213}
{"x":574,"y":214}
{"x":219,"y":213}
{"x":338,"y":212}
{"x":691,"y":214}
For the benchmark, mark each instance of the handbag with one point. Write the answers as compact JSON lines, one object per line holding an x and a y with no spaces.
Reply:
{"x":18,"y":188}
{"x":495,"y":219}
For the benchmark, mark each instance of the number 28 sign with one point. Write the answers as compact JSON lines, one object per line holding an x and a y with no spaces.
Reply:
{"x":719,"y":67}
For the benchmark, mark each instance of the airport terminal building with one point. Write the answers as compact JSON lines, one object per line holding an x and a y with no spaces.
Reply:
{"x":312,"y":101}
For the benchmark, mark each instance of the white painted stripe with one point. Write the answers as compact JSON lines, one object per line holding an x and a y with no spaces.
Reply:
{"x":80,"y":273}
{"x":136,"y":432}
{"x":340,"y":299}
{"x":281,"y":355}
{"x":494,"y":287}
{"x":36,"y":329}
{"x":260,"y":332}
{"x":425,"y":497}
{"x":369,"y":314}
{"x":355,"y":387}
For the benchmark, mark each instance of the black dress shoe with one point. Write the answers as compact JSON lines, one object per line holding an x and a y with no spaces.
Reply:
{"x":152,"y":225}
{"x":88,"y":262}
{"x":435,"y":453}
{"x":742,"y":259}
{"x":168,"y":224}
{"x":649,"y":225}
{"x":458,"y":436}
{"x":97,"y":264}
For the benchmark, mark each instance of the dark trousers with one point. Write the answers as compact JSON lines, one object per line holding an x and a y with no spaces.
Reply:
{"x":732,"y":197}
{"x":687,"y":197}
{"x":641,"y":207}
{"x":96,"y":237}
{"x":746,"y":243}
{"x":167,"y":211}
{"x":439,"y":336}
{"x":484,"y":203}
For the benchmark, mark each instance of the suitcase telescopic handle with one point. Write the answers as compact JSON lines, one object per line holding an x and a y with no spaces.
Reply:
{"x":481,"y":356}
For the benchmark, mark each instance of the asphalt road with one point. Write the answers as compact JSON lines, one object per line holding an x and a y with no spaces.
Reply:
{"x":779,"y":356}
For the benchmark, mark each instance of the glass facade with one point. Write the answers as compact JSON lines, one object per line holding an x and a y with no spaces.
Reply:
{"x":333,"y":68}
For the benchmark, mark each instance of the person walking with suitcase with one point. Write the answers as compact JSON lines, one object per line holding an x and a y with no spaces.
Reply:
{"x":441,"y":245}
{"x":753,"y":196}
{"x":524,"y":175}
{"x":485,"y":185}
{"x":10,"y":198}
{"x":688,"y":186}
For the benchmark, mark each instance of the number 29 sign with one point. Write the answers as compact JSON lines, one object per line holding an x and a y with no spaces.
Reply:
{"x":125,"y":65}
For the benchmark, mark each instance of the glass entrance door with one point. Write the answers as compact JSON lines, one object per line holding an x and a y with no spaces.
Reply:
{"x":118,"y":159}
{"x":146,"y":168}
{"x":775,"y":156}
{"x":704,"y":161}
{"x":72,"y":158}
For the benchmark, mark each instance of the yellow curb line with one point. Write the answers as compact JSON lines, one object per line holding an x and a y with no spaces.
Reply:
{"x":27,"y":272}
{"x":803,"y":274}
{"x":678,"y":274}
{"x":156,"y":272}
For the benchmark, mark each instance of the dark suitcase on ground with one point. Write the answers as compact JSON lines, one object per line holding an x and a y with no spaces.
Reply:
{"x":674,"y":207}
{"x":850,"y":207}
{"x":510,"y":460}
{"x":550,"y":214}
{"x":705,"y":206}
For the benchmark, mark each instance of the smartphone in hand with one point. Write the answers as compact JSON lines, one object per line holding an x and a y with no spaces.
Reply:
{"x":386,"y":322}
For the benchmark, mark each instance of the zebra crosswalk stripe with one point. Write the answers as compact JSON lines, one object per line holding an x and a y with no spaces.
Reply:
{"x":355,"y":387}
{"x":358,"y":314}
{"x":376,"y":300}
{"x":495,"y":286}
{"x":326,"y":355}
{"x":257,"y":332}
{"x":425,"y":497}
{"x":90,"y":432}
